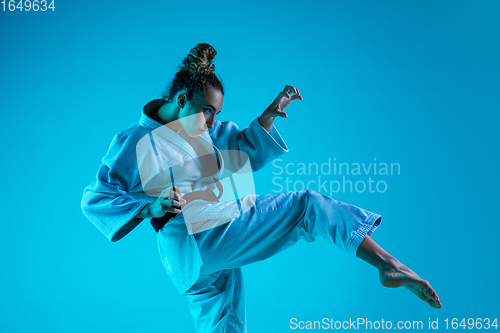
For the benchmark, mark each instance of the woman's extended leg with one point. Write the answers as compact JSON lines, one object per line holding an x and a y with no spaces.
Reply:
{"x":278,"y":221}
{"x":272,"y":225}
{"x":394,"y":274}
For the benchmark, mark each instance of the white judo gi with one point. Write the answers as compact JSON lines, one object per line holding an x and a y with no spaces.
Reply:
{"x":203,"y":248}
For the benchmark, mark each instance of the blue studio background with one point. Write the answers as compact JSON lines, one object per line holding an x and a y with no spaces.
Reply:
{"x":412,"y":83}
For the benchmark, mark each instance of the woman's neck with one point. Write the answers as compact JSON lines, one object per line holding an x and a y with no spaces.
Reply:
{"x":167,"y":115}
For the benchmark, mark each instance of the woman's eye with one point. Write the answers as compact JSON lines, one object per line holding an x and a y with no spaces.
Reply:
{"x":208,"y":110}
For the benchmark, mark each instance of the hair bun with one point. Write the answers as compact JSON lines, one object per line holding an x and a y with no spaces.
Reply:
{"x":200,"y":59}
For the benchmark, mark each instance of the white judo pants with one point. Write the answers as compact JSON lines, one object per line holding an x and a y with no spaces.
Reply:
{"x":274,"y":223}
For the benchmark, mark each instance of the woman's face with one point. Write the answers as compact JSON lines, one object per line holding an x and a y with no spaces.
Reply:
{"x":199,"y":113}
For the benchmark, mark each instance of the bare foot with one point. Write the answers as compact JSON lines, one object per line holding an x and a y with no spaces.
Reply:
{"x":394,"y":274}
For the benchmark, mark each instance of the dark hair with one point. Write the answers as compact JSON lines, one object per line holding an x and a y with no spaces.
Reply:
{"x":195,"y":74}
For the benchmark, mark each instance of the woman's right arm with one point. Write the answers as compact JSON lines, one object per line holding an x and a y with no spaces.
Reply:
{"x":113,"y":202}
{"x":107,"y":202}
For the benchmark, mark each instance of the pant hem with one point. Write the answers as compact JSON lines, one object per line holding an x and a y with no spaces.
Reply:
{"x":367,"y":228}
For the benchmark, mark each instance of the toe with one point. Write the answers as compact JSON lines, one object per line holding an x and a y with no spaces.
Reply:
{"x":434,"y":303}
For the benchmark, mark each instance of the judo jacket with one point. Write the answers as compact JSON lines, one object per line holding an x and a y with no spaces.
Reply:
{"x":147,"y":157}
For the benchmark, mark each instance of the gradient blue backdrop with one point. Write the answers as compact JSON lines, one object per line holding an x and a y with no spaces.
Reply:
{"x":408,"y":82}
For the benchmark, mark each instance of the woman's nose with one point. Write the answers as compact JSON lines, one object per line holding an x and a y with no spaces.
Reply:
{"x":210,"y":121}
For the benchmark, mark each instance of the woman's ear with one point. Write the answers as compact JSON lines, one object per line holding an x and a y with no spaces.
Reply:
{"x":181,"y":100}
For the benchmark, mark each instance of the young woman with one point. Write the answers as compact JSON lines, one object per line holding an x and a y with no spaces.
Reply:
{"x":168,"y":167}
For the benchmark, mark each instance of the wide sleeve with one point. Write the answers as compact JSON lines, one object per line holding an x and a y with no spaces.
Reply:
{"x":108,"y":202}
{"x":259,"y":145}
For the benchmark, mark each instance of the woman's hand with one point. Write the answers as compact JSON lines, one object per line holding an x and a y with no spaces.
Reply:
{"x":277,"y":107}
{"x":169,"y":201}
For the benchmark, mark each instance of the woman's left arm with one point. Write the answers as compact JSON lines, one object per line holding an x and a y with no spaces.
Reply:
{"x":260,"y":142}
